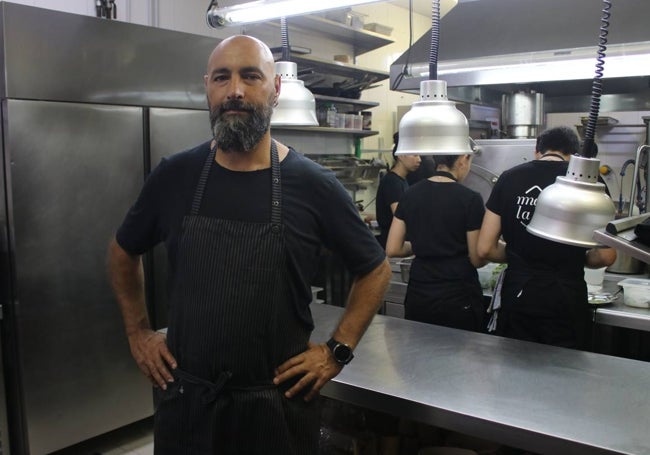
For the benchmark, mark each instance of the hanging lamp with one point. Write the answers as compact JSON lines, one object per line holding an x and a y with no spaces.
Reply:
{"x":572,"y":208}
{"x":296,"y":105}
{"x":433,"y":126}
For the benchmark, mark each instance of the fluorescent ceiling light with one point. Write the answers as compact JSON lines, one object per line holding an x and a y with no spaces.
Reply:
{"x":264,"y":10}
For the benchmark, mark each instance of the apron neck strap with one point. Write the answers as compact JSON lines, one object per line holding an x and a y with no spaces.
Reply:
{"x":276,"y":189}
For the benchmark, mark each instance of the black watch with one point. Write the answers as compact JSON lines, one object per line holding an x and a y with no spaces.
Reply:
{"x":342,"y":352}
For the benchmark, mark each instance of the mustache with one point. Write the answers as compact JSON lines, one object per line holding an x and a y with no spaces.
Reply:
{"x":235,"y":105}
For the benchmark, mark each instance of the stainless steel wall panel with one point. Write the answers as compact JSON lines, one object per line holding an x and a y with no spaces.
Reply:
{"x":49,"y":55}
{"x":171,"y":131}
{"x":75,"y":168}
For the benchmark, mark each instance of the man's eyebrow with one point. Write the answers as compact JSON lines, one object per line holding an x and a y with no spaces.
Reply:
{"x":220,"y":71}
{"x":251,"y":69}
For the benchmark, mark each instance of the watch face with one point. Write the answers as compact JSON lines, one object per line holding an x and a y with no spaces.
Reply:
{"x":342,"y":353}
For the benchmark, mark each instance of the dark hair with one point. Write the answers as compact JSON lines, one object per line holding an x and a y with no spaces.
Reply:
{"x":447,"y":160}
{"x":561,"y":139}
{"x":395,"y":141}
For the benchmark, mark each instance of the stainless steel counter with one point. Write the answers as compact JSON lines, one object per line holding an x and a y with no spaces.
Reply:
{"x":618,"y":314}
{"x":541,"y":398}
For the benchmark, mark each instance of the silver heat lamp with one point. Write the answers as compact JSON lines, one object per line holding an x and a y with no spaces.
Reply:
{"x":296,"y":105}
{"x":569,"y":210}
{"x":433,"y":126}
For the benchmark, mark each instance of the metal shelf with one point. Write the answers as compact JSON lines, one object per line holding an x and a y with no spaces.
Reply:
{"x":626,"y":245}
{"x":352,"y":102}
{"x":362,"y":40}
{"x":321,"y":129}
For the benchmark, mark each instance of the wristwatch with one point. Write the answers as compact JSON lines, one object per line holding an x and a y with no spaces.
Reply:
{"x":342,"y":352}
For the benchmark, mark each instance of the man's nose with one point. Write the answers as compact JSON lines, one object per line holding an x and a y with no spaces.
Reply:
{"x":236,"y":89}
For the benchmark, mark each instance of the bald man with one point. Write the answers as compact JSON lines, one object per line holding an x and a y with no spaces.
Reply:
{"x":243,"y":218}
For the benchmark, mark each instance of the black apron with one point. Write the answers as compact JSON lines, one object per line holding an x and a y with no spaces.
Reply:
{"x":232,"y":322}
{"x":445,"y":292}
{"x":544,"y":306}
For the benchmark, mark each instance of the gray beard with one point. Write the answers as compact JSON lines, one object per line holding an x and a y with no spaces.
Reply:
{"x":240,"y":133}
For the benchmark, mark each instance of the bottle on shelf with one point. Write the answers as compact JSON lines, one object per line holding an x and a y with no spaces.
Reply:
{"x":331,"y":116}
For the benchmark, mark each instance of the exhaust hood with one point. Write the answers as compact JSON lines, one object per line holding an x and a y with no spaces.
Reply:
{"x":547,"y":46}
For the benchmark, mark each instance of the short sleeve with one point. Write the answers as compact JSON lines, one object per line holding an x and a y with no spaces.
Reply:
{"x":476,"y":212}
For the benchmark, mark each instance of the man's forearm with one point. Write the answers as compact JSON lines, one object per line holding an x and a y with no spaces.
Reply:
{"x":366,"y":296}
{"x":127,"y":280}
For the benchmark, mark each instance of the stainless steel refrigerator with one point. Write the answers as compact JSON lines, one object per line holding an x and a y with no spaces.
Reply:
{"x":88,"y":107}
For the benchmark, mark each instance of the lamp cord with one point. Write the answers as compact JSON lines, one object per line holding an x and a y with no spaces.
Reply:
{"x":435,"y":40}
{"x":285,"y":39}
{"x":588,"y":149}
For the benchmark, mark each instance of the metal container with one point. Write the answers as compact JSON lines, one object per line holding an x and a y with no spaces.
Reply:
{"x":625,"y":264}
{"x":523,"y":114}
{"x":405,"y":268}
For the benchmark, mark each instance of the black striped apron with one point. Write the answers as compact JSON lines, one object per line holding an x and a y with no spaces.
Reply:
{"x":232,"y":322}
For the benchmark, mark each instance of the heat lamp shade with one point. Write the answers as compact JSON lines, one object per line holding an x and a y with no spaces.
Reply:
{"x":296,"y":105}
{"x":433,"y":126}
{"x":571,"y":209}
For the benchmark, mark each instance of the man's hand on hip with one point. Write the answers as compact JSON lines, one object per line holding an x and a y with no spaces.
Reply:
{"x":149,"y":349}
{"x":316,"y":365}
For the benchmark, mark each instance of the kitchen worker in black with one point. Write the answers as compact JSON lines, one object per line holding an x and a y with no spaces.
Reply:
{"x":442,"y":219}
{"x":243,"y":218}
{"x":390,"y":189}
{"x":543,"y":294}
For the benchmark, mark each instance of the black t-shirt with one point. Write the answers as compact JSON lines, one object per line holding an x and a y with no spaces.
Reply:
{"x":390,"y":190}
{"x":438,"y":216}
{"x":316,"y":211}
{"x":514,"y":198}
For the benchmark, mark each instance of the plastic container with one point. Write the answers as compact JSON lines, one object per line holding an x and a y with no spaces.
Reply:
{"x":636,"y":292}
{"x":331,"y":116}
{"x":594,"y":278}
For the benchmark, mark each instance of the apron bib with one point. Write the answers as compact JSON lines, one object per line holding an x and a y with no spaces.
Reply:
{"x":232,"y":322}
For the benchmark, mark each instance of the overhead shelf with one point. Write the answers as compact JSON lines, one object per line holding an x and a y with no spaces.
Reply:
{"x":362,"y":40}
{"x":327,"y":130}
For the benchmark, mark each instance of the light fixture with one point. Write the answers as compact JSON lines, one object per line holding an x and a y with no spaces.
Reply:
{"x":265,"y":10}
{"x":433,"y":126}
{"x":572,"y":208}
{"x":296,"y":105}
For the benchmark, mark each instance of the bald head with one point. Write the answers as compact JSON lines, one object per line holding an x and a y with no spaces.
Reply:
{"x":243,"y":45}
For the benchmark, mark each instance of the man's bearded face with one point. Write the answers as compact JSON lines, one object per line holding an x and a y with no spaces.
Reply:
{"x":242,"y":130}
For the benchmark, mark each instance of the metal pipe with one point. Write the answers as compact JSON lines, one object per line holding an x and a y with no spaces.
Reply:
{"x":637,"y":166}
{"x":646,"y":120}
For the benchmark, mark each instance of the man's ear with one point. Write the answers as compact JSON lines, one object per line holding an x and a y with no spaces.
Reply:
{"x":278,"y":88}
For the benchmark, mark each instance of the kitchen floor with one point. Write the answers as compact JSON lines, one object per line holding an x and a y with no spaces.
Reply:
{"x":134,"y":439}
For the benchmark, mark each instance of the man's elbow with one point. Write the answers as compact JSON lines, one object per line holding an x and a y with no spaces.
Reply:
{"x":380,"y":275}
{"x":483,"y":252}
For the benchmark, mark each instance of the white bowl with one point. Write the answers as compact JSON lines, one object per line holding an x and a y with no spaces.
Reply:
{"x":636,"y":292}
